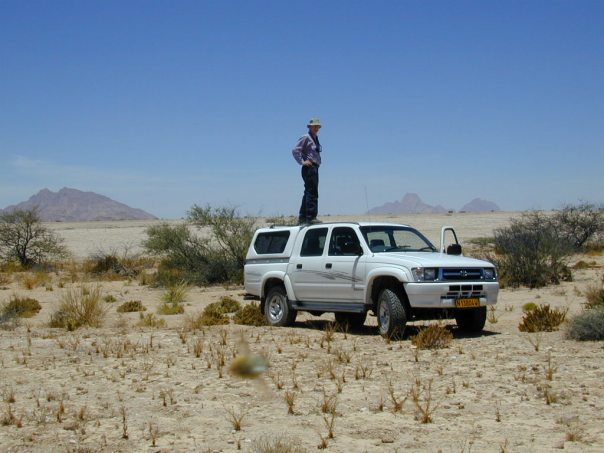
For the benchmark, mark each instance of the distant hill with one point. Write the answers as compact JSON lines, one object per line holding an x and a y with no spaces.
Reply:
{"x":413,"y":204}
{"x":480,"y":205}
{"x":410,"y":204}
{"x":72,"y":205}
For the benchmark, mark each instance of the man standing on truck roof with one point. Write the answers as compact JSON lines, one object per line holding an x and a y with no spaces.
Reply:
{"x":307,"y":153}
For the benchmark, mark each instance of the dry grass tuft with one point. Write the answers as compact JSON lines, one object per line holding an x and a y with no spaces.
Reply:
{"x":250,"y":315}
{"x":79,"y":307}
{"x":23,"y":307}
{"x":435,"y":336}
{"x":150,"y":320}
{"x":131,"y":306}
{"x":542,"y":319}
{"x":31,"y":280}
{"x":276,"y":445}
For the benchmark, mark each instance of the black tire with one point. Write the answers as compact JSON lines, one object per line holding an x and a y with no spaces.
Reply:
{"x":391,"y":314}
{"x":277,"y":309}
{"x":471,"y":319}
{"x":351,"y":321}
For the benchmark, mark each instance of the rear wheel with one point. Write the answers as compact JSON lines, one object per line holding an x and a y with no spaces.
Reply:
{"x":277,"y":309}
{"x":392,"y":317}
{"x":352,"y":321}
{"x":471,"y":319}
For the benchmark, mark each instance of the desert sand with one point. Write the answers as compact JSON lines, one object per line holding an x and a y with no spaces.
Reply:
{"x":126,"y":388}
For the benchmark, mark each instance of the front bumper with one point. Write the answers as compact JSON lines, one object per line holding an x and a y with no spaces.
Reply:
{"x":444,"y":294}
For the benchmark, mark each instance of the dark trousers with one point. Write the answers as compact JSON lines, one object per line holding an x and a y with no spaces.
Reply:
{"x":310,"y":200}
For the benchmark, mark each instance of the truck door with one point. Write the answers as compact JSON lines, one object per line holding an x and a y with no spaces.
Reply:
{"x":307,"y":268}
{"x":346,"y":266}
{"x":448,"y":242}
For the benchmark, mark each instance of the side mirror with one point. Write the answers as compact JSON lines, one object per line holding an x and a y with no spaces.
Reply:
{"x":454,"y":249}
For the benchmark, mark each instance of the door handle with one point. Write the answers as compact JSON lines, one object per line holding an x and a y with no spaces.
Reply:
{"x":328,"y":265}
{"x":298,"y":266}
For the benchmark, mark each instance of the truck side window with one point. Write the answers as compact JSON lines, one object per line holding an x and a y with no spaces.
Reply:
{"x":273,"y":242}
{"x":314,"y":242}
{"x":344,"y":242}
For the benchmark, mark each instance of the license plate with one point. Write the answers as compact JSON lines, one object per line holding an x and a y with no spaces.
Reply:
{"x":468,"y":302}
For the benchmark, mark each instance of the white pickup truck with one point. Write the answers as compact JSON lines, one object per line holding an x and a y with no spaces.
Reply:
{"x":351,"y":269}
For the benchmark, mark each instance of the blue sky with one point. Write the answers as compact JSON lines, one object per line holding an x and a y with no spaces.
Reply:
{"x":161,"y":104}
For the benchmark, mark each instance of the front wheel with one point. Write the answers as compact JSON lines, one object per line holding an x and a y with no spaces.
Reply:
{"x":392,"y":317}
{"x":277,"y":309}
{"x":471,"y":319}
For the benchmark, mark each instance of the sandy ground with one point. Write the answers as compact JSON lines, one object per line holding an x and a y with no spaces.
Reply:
{"x":126,"y":388}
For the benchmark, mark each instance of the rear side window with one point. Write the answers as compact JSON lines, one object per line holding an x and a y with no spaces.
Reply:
{"x":314,"y":242}
{"x":272,"y":242}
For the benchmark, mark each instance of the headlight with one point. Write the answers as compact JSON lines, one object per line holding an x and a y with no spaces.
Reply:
{"x":425,"y":274}
{"x":489,"y":273}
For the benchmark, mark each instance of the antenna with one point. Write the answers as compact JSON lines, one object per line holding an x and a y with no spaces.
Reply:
{"x":366,"y":202}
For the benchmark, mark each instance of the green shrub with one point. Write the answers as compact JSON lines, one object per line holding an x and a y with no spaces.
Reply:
{"x":529,"y":306}
{"x":434,"y":336}
{"x":542,"y":319}
{"x":109,"y":298}
{"x":579,"y":224}
{"x":531,"y":252}
{"x":176,"y":294}
{"x":229,"y":305}
{"x":213,"y":315}
{"x":79,"y":307}
{"x":131,"y":306}
{"x":214,"y":258}
{"x":250,"y":315}
{"x":23,"y":307}
{"x":150,"y":320}
{"x":25,"y":239}
{"x":587,"y":326}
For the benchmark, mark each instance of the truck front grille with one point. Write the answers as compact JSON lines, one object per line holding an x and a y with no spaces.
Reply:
{"x":461,"y":274}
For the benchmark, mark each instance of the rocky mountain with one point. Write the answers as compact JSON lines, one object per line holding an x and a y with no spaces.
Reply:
{"x":480,"y":205}
{"x":413,"y":204}
{"x":410,"y":204}
{"x":76,"y":206}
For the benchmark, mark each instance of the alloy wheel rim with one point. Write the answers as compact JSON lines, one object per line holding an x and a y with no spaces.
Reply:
{"x":275,"y":308}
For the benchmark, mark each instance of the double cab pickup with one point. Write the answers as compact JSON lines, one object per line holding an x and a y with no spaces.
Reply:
{"x":351,"y":269}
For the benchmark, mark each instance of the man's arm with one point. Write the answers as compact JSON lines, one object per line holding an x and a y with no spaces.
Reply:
{"x":299,"y":152}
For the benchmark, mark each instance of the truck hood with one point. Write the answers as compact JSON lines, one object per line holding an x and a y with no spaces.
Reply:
{"x":428,"y":259}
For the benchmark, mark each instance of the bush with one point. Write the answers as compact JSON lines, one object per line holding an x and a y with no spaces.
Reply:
{"x":23,"y":238}
{"x":587,"y":326}
{"x":116,"y":266}
{"x":250,"y":315}
{"x":215,"y":258}
{"x":213,"y":315}
{"x":595,"y":297}
{"x":434,"y":336}
{"x":529,"y":306}
{"x":542,"y":319}
{"x":176,"y":294}
{"x":79,"y":307}
{"x":579,"y":224}
{"x":531,"y":252}
{"x":23,"y":307}
{"x":131,"y":306}
{"x":229,"y":305}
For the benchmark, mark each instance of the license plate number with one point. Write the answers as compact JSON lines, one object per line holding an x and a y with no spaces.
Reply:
{"x":468,"y":302}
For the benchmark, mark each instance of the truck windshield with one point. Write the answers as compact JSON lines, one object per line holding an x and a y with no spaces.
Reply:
{"x":389,"y":238}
